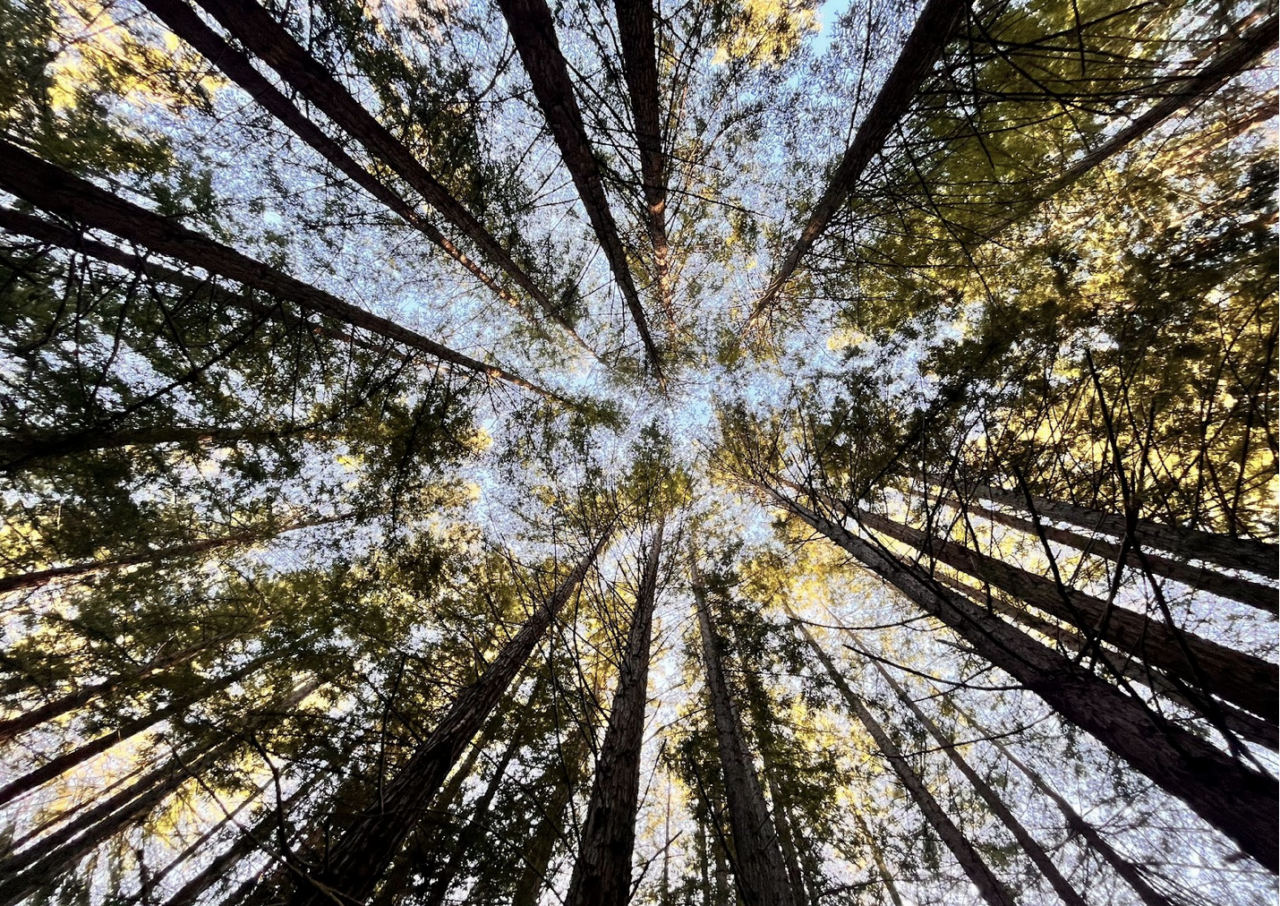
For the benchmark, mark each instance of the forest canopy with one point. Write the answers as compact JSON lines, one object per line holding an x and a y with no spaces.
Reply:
{"x":763,"y":452}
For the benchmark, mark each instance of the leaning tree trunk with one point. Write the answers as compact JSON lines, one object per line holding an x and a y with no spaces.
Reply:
{"x":1035,"y":852}
{"x":1239,"y":678}
{"x":934,"y":27}
{"x":1237,"y":800}
{"x":1192,"y":544}
{"x":60,"y":192}
{"x":602,"y":873}
{"x":360,"y":856}
{"x":878,"y":855}
{"x":1132,"y":873}
{"x":759,"y":868}
{"x":989,"y":886}
{"x":534,"y":33}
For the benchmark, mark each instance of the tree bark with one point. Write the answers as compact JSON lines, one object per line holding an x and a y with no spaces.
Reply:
{"x":1035,"y":852}
{"x":602,"y":873}
{"x":1234,"y":553}
{"x":759,"y":868}
{"x":1237,"y":800}
{"x":62,"y":193}
{"x":989,"y":886}
{"x":1244,"y":680}
{"x":933,"y":29}
{"x":362,"y":853}
{"x":533,"y":31}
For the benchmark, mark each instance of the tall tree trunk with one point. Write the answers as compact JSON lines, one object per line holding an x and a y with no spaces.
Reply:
{"x":533,"y":31}
{"x":534,"y":875}
{"x":1131,"y":873}
{"x":1242,"y":723}
{"x":56,"y":767}
{"x":1242,"y":679}
{"x":989,"y":886}
{"x":1192,"y":544}
{"x":759,"y":868}
{"x":602,"y":872}
{"x":934,"y":27}
{"x":640,"y":68}
{"x":1235,"y":799}
{"x":73,"y":701}
{"x":42,"y":577}
{"x":362,"y":853}
{"x":1035,"y":852}
{"x":187,"y":25}
{"x":878,"y":855}
{"x":62,"y":193}
{"x":1195,"y":577}
{"x":249,"y":23}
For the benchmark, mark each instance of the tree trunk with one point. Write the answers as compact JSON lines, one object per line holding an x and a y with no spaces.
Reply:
{"x":187,"y":25}
{"x":759,"y":868}
{"x":59,"y":192}
{"x":1235,"y":799}
{"x":1194,"y":577}
{"x":1239,"y":678}
{"x":533,"y":31}
{"x":989,"y":886}
{"x":934,"y":27}
{"x":73,"y":701}
{"x":534,"y":876}
{"x":1029,"y":844}
{"x":43,"y":577}
{"x":602,"y":873}
{"x":362,"y":853}
{"x":1242,"y":723}
{"x":56,"y":767}
{"x":878,"y":855}
{"x":1191,"y":544}
{"x":1126,"y":869}
{"x":640,"y":67}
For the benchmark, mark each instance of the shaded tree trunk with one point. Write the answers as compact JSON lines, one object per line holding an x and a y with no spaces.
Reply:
{"x":362,"y":853}
{"x":602,"y":872}
{"x":878,"y":855}
{"x":533,"y":31}
{"x":1035,"y":852}
{"x":759,"y":867}
{"x":62,"y":193}
{"x":934,"y":27}
{"x":989,"y":886}
{"x":1235,"y":799}
{"x":535,"y":875}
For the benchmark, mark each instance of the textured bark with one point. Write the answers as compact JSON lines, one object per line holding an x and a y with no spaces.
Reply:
{"x":759,"y":868}
{"x":1035,"y":852}
{"x":62,"y":193}
{"x":1195,"y":577}
{"x":1245,"y":725}
{"x":933,"y":29}
{"x":253,"y":26}
{"x":187,"y":25}
{"x":989,"y":886}
{"x":58,"y":766}
{"x":640,"y":69}
{"x":533,"y":31}
{"x":42,"y":577}
{"x":1237,"y":800}
{"x":1244,"y":680}
{"x":1192,"y":544}
{"x":1126,"y":869}
{"x":360,"y":856}
{"x":602,"y":872}
{"x":73,"y":701}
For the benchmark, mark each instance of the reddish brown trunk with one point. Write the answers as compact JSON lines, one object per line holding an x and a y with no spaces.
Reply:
{"x":1235,"y":799}
{"x":360,"y":856}
{"x":602,"y":873}
{"x":1035,"y":852}
{"x":933,"y":29}
{"x":59,"y":192}
{"x":759,"y":868}
{"x":533,"y":31}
